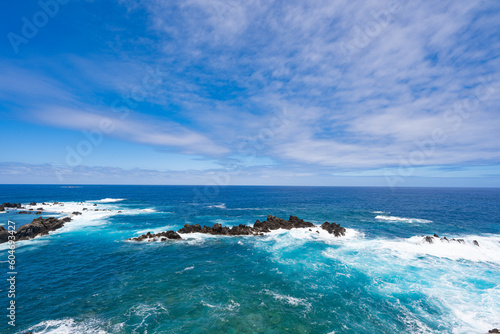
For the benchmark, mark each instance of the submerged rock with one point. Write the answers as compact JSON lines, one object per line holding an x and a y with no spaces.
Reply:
{"x":38,"y":226}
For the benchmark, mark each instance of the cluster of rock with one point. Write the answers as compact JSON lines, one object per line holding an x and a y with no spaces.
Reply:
{"x":430,"y":239}
{"x":86,"y":209}
{"x":259,"y":228}
{"x":333,"y":228}
{"x":162,"y":236}
{"x":39,"y":226}
{"x":10,"y":205}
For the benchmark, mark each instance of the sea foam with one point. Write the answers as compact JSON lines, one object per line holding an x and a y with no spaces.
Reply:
{"x":402,"y":219}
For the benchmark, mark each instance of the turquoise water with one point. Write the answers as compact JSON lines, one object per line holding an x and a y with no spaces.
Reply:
{"x":379,"y":278}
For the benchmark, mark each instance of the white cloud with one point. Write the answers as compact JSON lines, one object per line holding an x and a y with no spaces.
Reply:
{"x":361,"y":89}
{"x":130,"y":127}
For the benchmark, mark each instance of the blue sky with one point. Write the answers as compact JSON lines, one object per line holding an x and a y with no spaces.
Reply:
{"x":377,"y":93}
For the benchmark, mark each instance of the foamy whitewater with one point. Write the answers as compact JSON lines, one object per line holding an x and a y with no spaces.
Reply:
{"x":381,"y":277}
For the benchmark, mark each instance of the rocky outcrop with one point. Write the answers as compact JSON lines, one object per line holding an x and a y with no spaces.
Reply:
{"x":10,"y":205}
{"x":275,"y":223}
{"x":4,"y":234}
{"x":259,"y":228}
{"x":334,"y":229}
{"x":272,"y":223}
{"x":494,"y":330}
{"x":37,"y":227}
{"x":218,"y":229}
{"x":430,"y":240}
{"x":162,"y":236}
{"x":33,"y":203}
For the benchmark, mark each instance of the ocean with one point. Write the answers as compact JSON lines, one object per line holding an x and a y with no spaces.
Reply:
{"x":381,"y":277}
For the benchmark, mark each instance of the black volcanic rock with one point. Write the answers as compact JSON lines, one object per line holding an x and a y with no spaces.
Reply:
{"x":430,"y":239}
{"x":33,"y":203}
{"x":334,"y":229}
{"x":272,"y":223}
{"x":4,"y":234}
{"x":23,"y":212}
{"x":38,"y":226}
{"x":494,"y":330}
{"x":275,"y":223}
{"x":12,"y":205}
{"x":163,"y":236}
{"x":259,"y":228}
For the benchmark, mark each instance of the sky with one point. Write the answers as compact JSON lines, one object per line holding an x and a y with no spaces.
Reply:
{"x":229,"y":92}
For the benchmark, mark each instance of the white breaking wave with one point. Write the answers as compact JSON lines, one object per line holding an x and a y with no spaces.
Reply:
{"x":231,"y":306}
{"x":92,"y":214}
{"x":415,"y":247}
{"x":294,"y":301}
{"x":306,"y":234}
{"x":487,"y":251}
{"x":403,"y":220}
{"x":456,"y":276}
{"x":219,"y":206}
{"x":68,"y":326}
{"x":108,"y":200}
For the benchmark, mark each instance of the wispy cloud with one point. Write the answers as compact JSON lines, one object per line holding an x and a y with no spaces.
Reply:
{"x":130,"y":127}
{"x":364,"y":106}
{"x":363,"y":84}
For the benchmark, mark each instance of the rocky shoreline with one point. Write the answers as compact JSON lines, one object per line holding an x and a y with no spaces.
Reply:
{"x":39,"y":226}
{"x":259,"y":228}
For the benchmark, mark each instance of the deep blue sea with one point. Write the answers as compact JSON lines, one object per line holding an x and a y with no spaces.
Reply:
{"x":379,"y":278}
